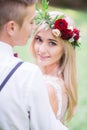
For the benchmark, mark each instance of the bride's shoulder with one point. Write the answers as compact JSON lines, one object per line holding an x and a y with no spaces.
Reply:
{"x":54,"y":79}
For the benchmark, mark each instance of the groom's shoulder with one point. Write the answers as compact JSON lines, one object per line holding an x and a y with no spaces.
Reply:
{"x":29,"y":67}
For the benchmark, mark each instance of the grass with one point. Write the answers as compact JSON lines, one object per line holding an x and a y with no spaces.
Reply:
{"x":79,"y":121}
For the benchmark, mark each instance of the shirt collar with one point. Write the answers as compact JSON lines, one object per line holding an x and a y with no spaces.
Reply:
{"x":5,"y":49}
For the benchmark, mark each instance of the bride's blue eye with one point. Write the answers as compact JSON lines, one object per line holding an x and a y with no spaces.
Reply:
{"x":52,"y":43}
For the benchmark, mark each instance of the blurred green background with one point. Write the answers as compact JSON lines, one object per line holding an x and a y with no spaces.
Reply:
{"x":79,"y":121}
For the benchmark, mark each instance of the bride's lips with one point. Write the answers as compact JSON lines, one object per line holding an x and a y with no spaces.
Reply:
{"x":42,"y":57}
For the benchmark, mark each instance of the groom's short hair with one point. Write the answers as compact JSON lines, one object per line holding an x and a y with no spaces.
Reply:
{"x":13,"y":10}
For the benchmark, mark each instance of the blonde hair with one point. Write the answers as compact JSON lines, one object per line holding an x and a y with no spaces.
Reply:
{"x":67,"y":68}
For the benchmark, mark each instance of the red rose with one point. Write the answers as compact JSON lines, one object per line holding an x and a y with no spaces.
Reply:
{"x":67,"y":34}
{"x":60,"y":24}
{"x":76,"y":37}
{"x":76,"y":32}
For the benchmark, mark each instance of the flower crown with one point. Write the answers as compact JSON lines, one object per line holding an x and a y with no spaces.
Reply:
{"x":58,"y":24}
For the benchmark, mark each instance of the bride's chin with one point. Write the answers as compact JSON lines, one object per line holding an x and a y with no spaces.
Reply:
{"x":41,"y":63}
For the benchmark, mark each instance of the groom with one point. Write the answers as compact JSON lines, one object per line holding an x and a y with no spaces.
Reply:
{"x":24,"y":102}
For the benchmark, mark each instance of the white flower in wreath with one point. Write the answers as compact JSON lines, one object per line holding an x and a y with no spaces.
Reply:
{"x":56,"y":32}
{"x":70,"y":27}
{"x":71,"y":39}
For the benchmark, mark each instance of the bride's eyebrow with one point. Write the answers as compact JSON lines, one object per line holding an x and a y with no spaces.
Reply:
{"x":53,"y":40}
{"x":38,"y":36}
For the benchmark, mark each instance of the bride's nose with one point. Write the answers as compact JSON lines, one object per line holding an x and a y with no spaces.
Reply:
{"x":42,"y":48}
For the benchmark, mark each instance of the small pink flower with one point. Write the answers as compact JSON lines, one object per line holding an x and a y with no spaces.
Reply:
{"x":56,"y":32}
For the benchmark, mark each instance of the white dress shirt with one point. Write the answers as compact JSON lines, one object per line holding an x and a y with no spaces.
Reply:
{"x":25,"y":91}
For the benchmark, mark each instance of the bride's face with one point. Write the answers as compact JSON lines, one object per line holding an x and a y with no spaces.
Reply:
{"x":48,"y":49}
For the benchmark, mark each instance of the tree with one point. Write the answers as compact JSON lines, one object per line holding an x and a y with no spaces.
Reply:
{"x":77,"y":4}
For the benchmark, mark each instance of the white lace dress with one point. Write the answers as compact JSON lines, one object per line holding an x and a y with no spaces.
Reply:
{"x":62,"y":101}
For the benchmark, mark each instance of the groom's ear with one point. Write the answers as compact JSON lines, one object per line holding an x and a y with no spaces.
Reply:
{"x":11,"y":27}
